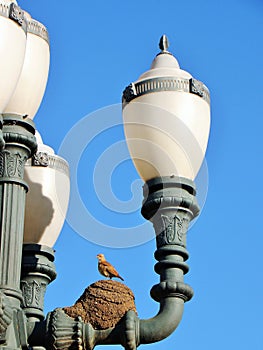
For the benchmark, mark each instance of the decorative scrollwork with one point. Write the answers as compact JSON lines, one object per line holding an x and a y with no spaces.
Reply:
{"x":129,"y":93}
{"x":17,"y":14}
{"x":40,"y":159}
{"x":197,"y":88}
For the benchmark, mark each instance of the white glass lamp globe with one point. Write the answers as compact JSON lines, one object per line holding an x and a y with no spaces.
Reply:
{"x":166,"y":116}
{"x":12,"y":48}
{"x":31,"y":86}
{"x":47,"y":176}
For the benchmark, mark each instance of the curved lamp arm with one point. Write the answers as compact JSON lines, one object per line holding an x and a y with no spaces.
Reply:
{"x":164,"y":323}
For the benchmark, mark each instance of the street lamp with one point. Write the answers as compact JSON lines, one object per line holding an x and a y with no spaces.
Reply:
{"x":166,"y":120}
{"x":166,"y":116}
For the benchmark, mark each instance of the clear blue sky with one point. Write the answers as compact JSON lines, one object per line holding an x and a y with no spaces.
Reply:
{"x":98,"y":48}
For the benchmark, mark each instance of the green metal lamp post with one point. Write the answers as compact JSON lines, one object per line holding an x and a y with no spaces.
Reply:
{"x":166,"y":116}
{"x":166,"y":120}
{"x":24,"y":71}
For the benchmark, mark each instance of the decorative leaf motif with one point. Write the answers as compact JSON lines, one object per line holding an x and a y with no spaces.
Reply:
{"x":20,"y":165}
{"x":169,"y":228}
{"x":160,"y":230}
{"x":182,"y":226}
{"x":33,"y":293}
{"x":12,"y":164}
{"x":27,"y":291}
{"x":37,"y":293}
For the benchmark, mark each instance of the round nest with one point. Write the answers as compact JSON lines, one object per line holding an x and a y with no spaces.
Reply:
{"x":103,"y":304}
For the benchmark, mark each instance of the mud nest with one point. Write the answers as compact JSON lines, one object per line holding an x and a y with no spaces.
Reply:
{"x":103,"y":304}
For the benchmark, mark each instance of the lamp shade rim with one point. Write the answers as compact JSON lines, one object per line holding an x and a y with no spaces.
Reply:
{"x":169,"y":83}
{"x":37,"y":28}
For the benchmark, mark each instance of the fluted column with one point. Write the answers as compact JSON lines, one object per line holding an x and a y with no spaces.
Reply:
{"x":20,"y":144}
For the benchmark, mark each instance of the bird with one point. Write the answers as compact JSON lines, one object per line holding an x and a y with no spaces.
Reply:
{"x":106,"y":269}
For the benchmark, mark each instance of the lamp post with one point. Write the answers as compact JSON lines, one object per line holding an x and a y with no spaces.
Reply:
{"x":166,"y":116}
{"x":166,"y":120}
{"x":24,"y":71}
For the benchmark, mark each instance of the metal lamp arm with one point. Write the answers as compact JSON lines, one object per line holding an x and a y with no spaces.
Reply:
{"x":164,"y":323}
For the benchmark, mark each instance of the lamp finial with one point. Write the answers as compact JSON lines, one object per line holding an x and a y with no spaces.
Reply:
{"x":164,"y":43}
